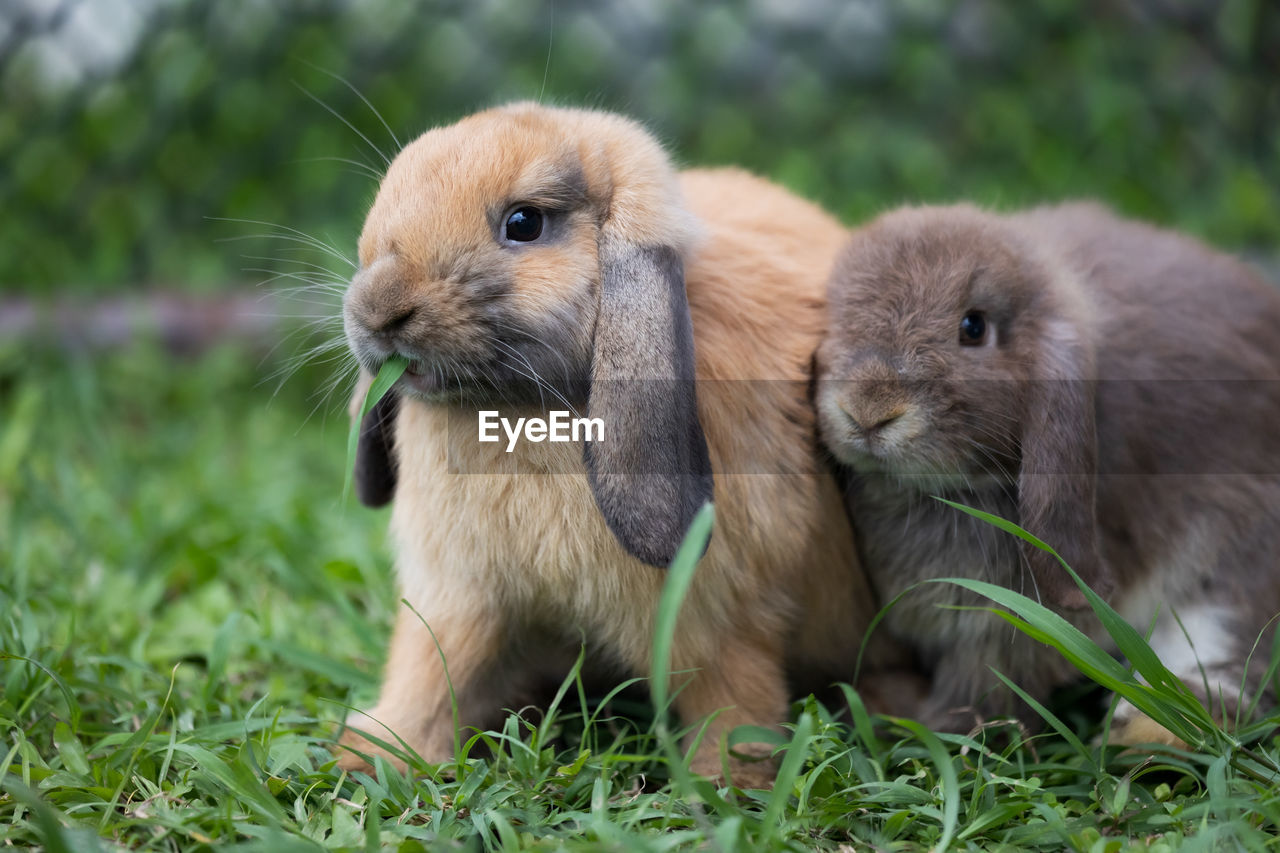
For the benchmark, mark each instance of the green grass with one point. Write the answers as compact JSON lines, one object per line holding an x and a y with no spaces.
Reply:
{"x":392,"y":369}
{"x":187,"y":608}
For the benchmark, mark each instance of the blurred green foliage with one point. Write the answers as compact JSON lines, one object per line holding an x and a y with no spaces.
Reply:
{"x":114,"y":173}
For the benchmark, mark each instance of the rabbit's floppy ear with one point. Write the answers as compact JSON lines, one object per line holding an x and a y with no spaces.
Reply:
{"x":375,"y":466}
{"x":1057,"y":496}
{"x":651,"y":472}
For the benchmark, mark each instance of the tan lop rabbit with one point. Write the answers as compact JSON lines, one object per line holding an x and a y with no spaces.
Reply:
{"x":531,"y":258}
{"x":1109,"y":386}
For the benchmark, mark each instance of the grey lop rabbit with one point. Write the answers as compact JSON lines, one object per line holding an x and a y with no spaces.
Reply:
{"x":1109,"y":386}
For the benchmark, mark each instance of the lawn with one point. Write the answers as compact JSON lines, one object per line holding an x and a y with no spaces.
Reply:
{"x":187,"y":609}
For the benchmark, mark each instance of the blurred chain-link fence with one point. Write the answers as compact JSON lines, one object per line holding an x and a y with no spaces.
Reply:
{"x":129,"y":128}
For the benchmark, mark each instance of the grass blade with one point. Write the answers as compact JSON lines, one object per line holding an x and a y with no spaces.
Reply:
{"x":947,"y":780}
{"x":1166,"y":689}
{"x":56,"y":837}
{"x":1043,"y":625}
{"x":792,"y":762}
{"x":679,"y":578}
{"x":390,"y":372}
{"x":1127,"y":639}
{"x":1052,"y":719}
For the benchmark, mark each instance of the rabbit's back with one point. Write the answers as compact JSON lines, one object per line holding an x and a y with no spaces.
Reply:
{"x":1188,"y":347}
{"x":1166,"y":305}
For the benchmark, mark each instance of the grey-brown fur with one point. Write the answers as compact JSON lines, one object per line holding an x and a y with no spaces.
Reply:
{"x":1130,"y":390}
{"x":651,"y":473}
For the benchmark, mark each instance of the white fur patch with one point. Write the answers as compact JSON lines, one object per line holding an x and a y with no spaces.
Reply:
{"x":1202,"y":642}
{"x":1204,"y":638}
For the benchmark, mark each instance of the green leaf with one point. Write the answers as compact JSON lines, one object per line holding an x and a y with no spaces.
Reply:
{"x":56,"y":837}
{"x":1127,"y":638}
{"x":1120,"y":797}
{"x":237,"y":778}
{"x":1051,"y":718}
{"x":218,"y":654}
{"x":1001,"y":813}
{"x":679,"y":578}
{"x":792,"y":762}
{"x":862,"y":723}
{"x":576,"y":767}
{"x":756,"y":734}
{"x":388,"y":374}
{"x":70,"y":750}
{"x":1176,"y":700}
{"x":1043,"y":625}
{"x":948,"y":780}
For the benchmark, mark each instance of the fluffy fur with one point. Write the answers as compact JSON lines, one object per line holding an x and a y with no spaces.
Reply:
{"x":514,"y":560}
{"x":1121,"y":405}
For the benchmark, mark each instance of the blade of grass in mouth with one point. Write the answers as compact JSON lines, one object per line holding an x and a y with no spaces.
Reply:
{"x":392,"y":369}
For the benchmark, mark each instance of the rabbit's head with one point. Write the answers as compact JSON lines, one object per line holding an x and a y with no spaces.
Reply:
{"x":960,"y":358}
{"x":529,"y":253}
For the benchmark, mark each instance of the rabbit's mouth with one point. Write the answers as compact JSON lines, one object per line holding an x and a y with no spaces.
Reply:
{"x":426,"y":380}
{"x":440,"y":382}
{"x":487,"y":382}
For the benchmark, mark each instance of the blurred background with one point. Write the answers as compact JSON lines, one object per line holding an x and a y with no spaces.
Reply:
{"x":128,"y":128}
{"x":172,"y":437}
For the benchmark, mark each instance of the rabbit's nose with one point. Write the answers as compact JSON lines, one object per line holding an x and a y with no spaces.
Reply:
{"x":870,"y":422}
{"x":875,"y":423}
{"x":383,"y":299}
{"x":385,"y":323}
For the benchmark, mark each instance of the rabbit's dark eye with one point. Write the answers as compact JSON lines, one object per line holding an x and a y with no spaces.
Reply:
{"x":973,"y":329}
{"x":524,"y":224}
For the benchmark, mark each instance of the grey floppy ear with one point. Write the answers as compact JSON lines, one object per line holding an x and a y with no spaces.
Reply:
{"x":375,"y":466}
{"x":1057,"y":482}
{"x":651,"y":471}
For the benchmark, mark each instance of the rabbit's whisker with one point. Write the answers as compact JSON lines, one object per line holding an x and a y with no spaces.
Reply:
{"x":290,"y":235}
{"x":365,"y":170}
{"x":533,"y":375}
{"x":356,"y":91}
{"x":382,"y":155}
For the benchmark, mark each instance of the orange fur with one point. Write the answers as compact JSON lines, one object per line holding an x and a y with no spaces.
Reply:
{"x":520,"y":554}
